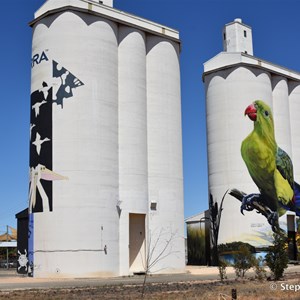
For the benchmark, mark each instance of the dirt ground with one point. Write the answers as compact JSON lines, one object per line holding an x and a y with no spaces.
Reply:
{"x":204,"y":290}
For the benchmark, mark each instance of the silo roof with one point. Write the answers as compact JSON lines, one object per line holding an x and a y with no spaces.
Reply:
{"x":88,"y":6}
{"x":225,"y":60}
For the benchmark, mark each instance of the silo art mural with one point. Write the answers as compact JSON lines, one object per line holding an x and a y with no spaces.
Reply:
{"x":54,"y":92}
{"x":252,"y":164}
{"x":270,"y":167}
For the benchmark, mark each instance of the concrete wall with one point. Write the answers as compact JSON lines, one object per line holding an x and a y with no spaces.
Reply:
{"x":281,"y":111}
{"x":85,"y":149}
{"x":294,"y":105}
{"x":237,"y":37}
{"x":228,"y":93}
{"x":133,"y":157}
{"x":112,"y":94}
{"x":165,"y":179}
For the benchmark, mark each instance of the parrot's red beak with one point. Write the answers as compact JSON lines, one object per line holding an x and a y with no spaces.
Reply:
{"x":251,"y":112}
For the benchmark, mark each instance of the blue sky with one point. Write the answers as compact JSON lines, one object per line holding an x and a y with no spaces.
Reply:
{"x":275,"y":27}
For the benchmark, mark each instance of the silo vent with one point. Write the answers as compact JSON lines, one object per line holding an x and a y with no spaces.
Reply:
{"x":238,"y":20}
{"x":153,"y":205}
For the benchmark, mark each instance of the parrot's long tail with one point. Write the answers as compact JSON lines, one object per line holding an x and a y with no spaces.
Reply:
{"x":297,"y":198}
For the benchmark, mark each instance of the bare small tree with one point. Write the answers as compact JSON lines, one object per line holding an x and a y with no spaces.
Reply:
{"x":158,"y":248}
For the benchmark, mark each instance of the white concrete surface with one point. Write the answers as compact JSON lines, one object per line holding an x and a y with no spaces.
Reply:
{"x":106,"y":11}
{"x":233,"y":80}
{"x":165,"y":174}
{"x":237,"y":37}
{"x":117,"y":140}
{"x":133,"y":153}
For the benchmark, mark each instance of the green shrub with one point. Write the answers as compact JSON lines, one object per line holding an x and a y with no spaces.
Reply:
{"x":222,"y":269}
{"x":244,"y":260}
{"x":260,"y":272}
{"x":277,"y":258}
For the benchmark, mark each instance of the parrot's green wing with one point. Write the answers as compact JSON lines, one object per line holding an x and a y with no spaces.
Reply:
{"x":284,"y":182}
{"x":285,"y":166}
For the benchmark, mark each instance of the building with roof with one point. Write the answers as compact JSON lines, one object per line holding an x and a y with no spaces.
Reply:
{"x":106,"y":181}
{"x":234,"y":79}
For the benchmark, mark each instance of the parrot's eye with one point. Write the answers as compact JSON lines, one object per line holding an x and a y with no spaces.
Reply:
{"x":266,"y":113}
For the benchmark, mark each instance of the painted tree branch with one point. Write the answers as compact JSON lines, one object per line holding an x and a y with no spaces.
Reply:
{"x":215,"y":218}
{"x":258,"y":206}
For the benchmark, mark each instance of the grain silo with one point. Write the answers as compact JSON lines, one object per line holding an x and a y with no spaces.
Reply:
{"x":106,"y":182}
{"x":234,"y":79}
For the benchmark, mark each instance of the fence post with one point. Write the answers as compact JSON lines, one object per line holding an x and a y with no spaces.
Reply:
{"x":233,"y":294}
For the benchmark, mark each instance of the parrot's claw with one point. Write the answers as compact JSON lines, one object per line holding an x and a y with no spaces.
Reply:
{"x":273,"y":221}
{"x":247,"y":202}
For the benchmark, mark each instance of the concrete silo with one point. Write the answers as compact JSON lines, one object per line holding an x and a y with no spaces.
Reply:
{"x":97,"y":189}
{"x":164,"y":136}
{"x":233,"y":80}
{"x":294,"y":105}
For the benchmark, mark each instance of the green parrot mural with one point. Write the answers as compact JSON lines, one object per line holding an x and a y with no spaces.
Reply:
{"x":270,"y":168}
